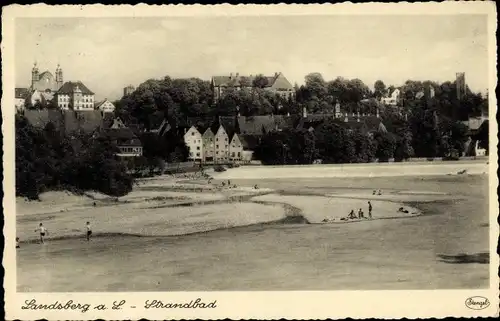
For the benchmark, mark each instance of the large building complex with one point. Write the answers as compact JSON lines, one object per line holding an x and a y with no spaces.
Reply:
{"x":277,"y":84}
{"x":50,"y":89}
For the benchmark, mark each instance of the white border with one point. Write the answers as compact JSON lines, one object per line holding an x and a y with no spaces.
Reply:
{"x":246,"y":305}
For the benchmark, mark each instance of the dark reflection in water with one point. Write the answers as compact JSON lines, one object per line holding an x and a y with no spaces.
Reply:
{"x":480,"y":258}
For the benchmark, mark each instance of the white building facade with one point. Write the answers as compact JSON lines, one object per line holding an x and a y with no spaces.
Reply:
{"x":194,"y":142}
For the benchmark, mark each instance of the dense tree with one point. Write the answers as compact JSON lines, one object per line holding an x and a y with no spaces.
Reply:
{"x":403,"y":146}
{"x":334,"y":144}
{"x":48,"y":159}
{"x":483,"y":135}
{"x":316,"y":85}
{"x":287,"y":147}
{"x":260,"y":81}
{"x":379,"y":89}
{"x":365,"y":147}
{"x":454,"y":136}
{"x":386,"y":146}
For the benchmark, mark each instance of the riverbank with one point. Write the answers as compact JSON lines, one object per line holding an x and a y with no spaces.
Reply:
{"x":357,"y":170}
{"x":166,"y":206}
{"x":366,"y":255}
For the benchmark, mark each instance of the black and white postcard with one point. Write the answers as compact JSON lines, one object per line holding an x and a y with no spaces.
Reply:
{"x":250,"y":161}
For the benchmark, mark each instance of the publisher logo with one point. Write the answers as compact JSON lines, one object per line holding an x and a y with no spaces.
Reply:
{"x":477,"y":303}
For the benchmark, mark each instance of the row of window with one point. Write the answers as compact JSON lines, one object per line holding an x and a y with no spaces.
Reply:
{"x":233,"y":154}
{"x":77,"y":107}
{"x":67,"y":98}
{"x":135,"y":150}
{"x":209,"y":139}
{"x":225,"y":146}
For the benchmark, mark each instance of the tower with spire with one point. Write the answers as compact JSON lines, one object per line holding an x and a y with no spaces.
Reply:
{"x":59,"y":77}
{"x":35,"y":75}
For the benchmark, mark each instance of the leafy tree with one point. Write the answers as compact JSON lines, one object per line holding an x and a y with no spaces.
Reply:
{"x":380,"y":89}
{"x":316,"y":85}
{"x":49,"y":159}
{"x":334,"y":143}
{"x":403,"y":149}
{"x":483,"y":136}
{"x":386,"y":145}
{"x":260,"y":81}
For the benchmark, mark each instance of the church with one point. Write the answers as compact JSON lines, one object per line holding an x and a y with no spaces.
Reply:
{"x":49,"y":89}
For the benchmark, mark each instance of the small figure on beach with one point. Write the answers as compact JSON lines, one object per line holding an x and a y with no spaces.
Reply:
{"x":370,"y":209}
{"x":42,"y":231}
{"x":352,"y":215}
{"x":374,"y":192}
{"x":89,"y":231}
{"x":255,"y":187}
{"x":223,"y":184}
{"x":229,"y":182}
{"x":17,"y":243}
{"x":379,"y":192}
{"x":95,"y":204}
{"x":402,"y":210}
{"x":360,"y":213}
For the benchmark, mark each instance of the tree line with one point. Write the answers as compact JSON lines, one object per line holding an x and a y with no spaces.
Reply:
{"x":179,"y":99}
{"x":423,"y":134}
{"x":49,"y":159}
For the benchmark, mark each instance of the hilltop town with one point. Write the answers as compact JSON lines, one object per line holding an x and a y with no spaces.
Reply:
{"x":244,"y":119}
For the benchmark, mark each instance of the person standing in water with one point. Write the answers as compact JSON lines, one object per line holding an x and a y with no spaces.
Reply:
{"x":89,"y":231}
{"x":370,"y":209}
{"x":42,"y":231}
{"x":17,"y":243}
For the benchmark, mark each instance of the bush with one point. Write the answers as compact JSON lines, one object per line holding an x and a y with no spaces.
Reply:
{"x":219,"y":168}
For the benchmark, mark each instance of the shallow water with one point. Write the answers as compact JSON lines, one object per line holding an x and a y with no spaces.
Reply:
{"x":382,"y":254}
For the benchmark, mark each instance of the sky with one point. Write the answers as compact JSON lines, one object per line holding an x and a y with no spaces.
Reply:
{"x":107,"y":54}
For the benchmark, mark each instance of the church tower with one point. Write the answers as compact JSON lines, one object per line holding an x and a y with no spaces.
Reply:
{"x":35,"y":76}
{"x":59,"y":77}
{"x":77,"y":97}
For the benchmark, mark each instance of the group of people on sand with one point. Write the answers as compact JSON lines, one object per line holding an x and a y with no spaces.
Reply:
{"x":352,"y":215}
{"x":375,"y":192}
{"x":43,"y":232}
{"x":361,"y":215}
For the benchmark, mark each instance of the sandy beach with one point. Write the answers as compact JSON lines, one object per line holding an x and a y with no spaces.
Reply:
{"x":255,"y":239}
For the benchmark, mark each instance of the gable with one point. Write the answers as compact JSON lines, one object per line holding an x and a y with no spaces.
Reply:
{"x":208,"y":133}
{"x":192,"y":131}
{"x":117,"y":123}
{"x":236,"y":140}
{"x":221,"y":131}
{"x":281,"y":83}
